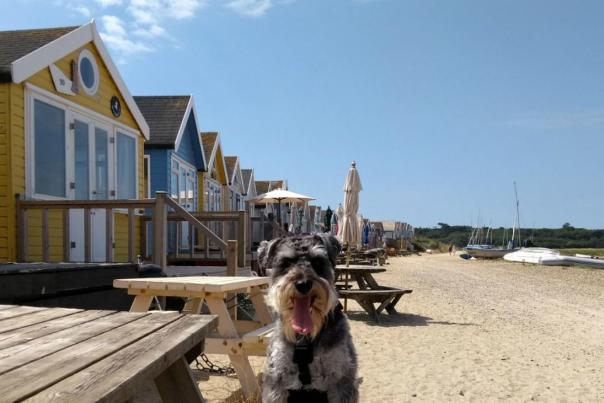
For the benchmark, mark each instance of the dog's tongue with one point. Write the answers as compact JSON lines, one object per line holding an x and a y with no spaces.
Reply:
{"x":302,"y":322}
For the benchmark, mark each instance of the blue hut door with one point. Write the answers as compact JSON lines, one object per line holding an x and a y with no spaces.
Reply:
{"x":90,"y":173}
{"x":183,"y":179}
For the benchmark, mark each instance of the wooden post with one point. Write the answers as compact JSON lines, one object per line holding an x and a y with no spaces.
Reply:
{"x":262,"y":226}
{"x":66,"y":237}
{"x":131,"y":235}
{"x":87,"y":236}
{"x":109,"y":235}
{"x":21,"y":230}
{"x":143,"y":235}
{"x":160,"y":222}
{"x":241,"y":237}
{"x":231,"y":256}
{"x":191,"y":240}
{"x":45,"y":252}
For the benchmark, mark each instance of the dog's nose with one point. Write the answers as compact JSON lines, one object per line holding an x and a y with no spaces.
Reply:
{"x":303,"y":286}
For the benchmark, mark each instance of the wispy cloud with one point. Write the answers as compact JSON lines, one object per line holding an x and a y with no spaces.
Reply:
{"x":109,"y":3}
{"x":115,"y":35}
{"x":250,"y":8}
{"x":586,"y":118}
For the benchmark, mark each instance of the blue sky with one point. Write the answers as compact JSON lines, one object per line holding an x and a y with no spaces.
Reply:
{"x":442,"y":104}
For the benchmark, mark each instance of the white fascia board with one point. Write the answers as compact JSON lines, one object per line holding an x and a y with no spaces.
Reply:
{"x":119,"y":81}
{"x":31,"y":63}
{"x":28,"y":65}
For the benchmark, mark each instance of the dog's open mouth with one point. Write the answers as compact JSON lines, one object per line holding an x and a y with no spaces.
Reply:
{"x":302,"y":319}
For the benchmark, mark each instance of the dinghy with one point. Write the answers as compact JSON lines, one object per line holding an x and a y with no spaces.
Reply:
{"x":551,"y":257}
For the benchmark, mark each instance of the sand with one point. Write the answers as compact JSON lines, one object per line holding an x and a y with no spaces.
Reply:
{"x":477,"y":331}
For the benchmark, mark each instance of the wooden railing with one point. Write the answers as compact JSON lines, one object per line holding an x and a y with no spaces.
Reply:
{"x":156,"y":210}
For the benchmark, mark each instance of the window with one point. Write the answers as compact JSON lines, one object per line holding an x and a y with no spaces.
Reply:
{"x":88,"y":72}
{"x":126,"y":166}
{"x":49,"y":150}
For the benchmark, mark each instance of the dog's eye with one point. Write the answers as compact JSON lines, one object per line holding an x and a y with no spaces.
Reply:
{"x":286,"y":262}
{"x":318,"y":263}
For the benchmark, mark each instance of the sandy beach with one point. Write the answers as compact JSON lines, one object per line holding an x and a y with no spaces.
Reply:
{"x":477,"y":331}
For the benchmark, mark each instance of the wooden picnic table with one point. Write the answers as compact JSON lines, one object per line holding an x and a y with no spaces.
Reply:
{"x":236,"y":338}
{"x":369,"y":292}
{"x":75,"y":355}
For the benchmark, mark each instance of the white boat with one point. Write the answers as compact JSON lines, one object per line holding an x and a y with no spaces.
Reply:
{"x":551,"y":257}
{"x":477,"y":249}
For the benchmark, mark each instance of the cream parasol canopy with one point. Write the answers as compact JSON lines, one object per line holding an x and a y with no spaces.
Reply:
{"x":281,"y":196}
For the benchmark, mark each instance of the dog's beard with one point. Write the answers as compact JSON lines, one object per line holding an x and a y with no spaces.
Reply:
{"x":281,"y":298}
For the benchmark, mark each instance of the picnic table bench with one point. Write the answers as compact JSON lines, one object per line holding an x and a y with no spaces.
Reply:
{"x":369,"y":292}
{"x":74,"y":355}
{"x":236,"y":338}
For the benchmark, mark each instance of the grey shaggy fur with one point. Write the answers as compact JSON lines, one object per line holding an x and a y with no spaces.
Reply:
{"x":334,"y":366}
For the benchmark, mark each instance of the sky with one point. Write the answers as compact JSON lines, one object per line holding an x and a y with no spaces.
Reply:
{"x":442,"y":104}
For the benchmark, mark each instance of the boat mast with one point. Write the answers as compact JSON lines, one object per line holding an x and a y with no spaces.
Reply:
{"x":517,"y":219}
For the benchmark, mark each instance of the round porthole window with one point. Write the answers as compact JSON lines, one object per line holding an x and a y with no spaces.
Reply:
{"x":88,"y":72}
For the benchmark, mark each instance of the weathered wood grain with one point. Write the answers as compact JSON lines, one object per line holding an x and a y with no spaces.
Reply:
{"x":34,"y":318}
{"x":24,"y":334}
{"x":46,"y":371}
{"x":24,"y":353}
{"x":17,"y":311}
{"x":121,"y":375}
{"x":194,"y":283}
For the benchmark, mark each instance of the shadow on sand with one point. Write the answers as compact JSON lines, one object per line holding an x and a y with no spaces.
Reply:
{"x":400,"y":319}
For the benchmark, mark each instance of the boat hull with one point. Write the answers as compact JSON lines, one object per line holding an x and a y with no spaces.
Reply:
{"x":487,"y":253}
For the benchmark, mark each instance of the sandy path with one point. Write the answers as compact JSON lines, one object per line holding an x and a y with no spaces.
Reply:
{"x":485,"y":331}
{"x":479,"y":331}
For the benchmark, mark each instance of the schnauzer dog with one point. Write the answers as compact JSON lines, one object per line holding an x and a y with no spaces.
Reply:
{"x":310,"y":357}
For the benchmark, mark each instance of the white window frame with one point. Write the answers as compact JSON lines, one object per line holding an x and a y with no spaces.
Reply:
{"x":85,"y":53}
{"x":72,"y":110}
{"x":189,"y":167}
{"x":147,"y":161}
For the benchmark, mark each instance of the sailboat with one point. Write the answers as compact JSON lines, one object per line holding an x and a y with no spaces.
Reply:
{"x":486,"y":250}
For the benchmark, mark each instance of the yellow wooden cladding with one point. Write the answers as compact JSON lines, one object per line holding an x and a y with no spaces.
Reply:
{"x":12,"y":161}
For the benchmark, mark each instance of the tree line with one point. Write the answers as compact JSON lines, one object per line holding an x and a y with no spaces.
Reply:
{"x":564,"y":237}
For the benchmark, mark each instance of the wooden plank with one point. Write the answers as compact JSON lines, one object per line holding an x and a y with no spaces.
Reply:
{"x":259,"y":335}
{"x":131,"y":244}
{"x":22,"y":335}
{"x":109,"y":235}
{"x":82,"y":204}
{"x":32,"y":350}
{"x":141,"y":303}
{"x":17,"y":311}
{"x":34,"y":318}
{"x":263,"y":314}
{"x":239,"y":360}
{"x":241,"y":237}
{"x":45,"y":253}
{"x":160,"y":230}
{"x":66,"y":240}
{"x":52,"y":368}
{"x":87,"y":236}
{"x":193,"y":283}
{"x":120,"y":375}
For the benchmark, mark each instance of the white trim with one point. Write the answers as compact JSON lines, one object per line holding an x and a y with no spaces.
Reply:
{"x":85,"y":53}
{"x":73,"y":105}
{"x":212,"y":161}
{"x":28,"y":65}
{"x":74,"y":111}
{"x":183,"y":124}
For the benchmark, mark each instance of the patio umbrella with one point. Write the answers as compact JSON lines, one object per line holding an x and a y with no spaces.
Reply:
{"x":349,"y":224}
{"x":339,"y":215}
{"x":280,"y":196}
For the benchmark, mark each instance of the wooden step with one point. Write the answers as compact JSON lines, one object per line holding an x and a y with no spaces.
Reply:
{"x":260,"y":335}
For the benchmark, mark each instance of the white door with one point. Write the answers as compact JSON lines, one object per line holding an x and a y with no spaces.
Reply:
{"x":91,"y":148}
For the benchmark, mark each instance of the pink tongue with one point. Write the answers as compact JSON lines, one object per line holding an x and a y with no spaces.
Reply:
{"x":302,"y":322}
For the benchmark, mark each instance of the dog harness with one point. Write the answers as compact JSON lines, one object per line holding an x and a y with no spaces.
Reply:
{"x":303,"y":356}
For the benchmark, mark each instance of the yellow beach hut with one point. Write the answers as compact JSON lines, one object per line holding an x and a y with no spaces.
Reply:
{"x":214,"y":183}
{"x":69,"y":130}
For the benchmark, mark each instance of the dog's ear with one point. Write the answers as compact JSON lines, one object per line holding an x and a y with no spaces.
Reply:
{"x":332,"y":245}
{"x":266,"y":252}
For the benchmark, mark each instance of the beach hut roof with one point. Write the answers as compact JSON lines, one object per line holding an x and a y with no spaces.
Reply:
{"x":248,"y":182}
{"x":234,"y":171}
{"x":389,"y":225}
{"x":25,"y":52}
{"x":263,"y":186}
{"x":167,"y":116}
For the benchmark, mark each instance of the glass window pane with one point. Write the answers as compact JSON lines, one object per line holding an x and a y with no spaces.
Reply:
{"x":101,"y":164}
{"x":126,"y":167}
{"x":174,"y":185}
{"x":87,"y":72}
{"x":82,"y":161}
{"x":49,"y":150}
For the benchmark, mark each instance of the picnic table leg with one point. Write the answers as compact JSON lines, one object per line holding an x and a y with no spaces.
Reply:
{"x":141,"y":303}
{"x":390,"y":307}
{"x":239,"y":359}
{"x":263,"y":314}
{"x":193,"y":305}
{"x":369,"y":308}
{"x":176,"y":384}
{"x":385,"y":304}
